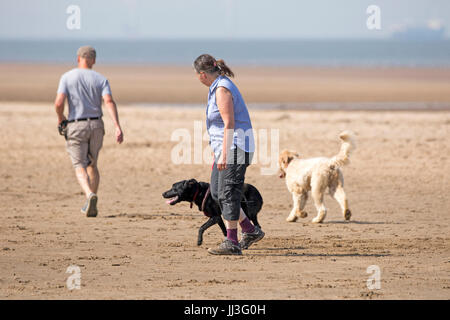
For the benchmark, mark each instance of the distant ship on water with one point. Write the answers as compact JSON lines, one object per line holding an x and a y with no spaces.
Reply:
{"x":434,"y":30}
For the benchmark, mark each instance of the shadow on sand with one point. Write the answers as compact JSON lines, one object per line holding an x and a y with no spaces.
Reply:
{"x":358,"y":222}
{"x":295,"y":254}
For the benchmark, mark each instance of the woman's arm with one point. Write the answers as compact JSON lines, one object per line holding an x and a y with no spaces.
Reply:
{"x":224,"y":100}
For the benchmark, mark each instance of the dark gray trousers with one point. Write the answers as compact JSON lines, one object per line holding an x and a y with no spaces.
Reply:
{"x":226,"y":185}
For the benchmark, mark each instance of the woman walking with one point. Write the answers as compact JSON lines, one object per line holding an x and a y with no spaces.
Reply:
{"x":231,"y":138}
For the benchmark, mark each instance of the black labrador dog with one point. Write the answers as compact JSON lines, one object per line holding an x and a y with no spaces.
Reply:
{"x":198,"y":193}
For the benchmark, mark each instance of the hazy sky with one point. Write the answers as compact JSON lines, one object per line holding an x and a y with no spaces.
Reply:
{"x":46,"y":19}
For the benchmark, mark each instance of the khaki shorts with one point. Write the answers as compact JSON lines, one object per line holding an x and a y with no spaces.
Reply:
{"x":84,"y":141}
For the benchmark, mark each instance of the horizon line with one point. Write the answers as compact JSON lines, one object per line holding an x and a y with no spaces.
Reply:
{"x":131,"y":39}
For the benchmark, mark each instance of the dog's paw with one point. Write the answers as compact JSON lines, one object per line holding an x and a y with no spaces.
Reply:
{"x":291,"y":219}
{"x":317,"y":220}
{"x":199,"y":242}
{"x":348,"y":214}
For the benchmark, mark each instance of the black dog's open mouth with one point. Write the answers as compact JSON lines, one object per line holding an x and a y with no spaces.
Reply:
{"x":172,"y":201}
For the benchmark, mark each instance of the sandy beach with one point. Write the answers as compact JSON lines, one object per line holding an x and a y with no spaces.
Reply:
{"x":141,"y":248}
{"x":308,"y":72}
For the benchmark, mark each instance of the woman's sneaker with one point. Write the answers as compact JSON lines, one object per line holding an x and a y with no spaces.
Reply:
{"x":250,"y":238}
{"x":227,"y":247}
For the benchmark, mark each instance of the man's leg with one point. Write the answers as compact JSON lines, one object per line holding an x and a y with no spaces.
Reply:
{"x":84,"y":181}
{"x":78,"y":148}
{"x":95,"y":144}
{"x":94,"y":181}
{"x":94,"y":177}
{"x":90,"y":207}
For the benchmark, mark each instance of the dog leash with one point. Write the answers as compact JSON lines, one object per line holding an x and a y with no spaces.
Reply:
{"x":204,"y":199}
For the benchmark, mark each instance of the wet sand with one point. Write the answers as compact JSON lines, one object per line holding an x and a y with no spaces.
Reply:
{"x":292,"y":85}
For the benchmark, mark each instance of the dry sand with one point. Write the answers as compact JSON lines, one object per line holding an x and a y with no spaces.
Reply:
{"x":138,"y":247}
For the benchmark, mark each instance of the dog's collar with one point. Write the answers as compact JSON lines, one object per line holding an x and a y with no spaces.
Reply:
{"x":195,"y":196}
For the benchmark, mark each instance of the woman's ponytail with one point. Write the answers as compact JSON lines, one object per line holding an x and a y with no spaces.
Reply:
{"x":224,"y":70}
{"x":207,"y":63}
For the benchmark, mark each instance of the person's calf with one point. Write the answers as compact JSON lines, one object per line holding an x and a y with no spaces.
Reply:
{"x":94,"y":177}
{"x":83,"y":180}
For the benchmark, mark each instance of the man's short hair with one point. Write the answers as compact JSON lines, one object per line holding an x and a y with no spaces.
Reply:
{"x":86,"y":52}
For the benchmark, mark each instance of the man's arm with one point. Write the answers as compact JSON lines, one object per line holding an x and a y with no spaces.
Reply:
{"x":59,"y":106}
{"x":112,"y":110}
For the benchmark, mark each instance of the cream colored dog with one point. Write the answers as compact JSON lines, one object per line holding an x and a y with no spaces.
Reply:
{"x":315,"y":175}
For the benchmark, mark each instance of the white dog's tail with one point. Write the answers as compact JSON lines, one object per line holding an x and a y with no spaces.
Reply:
{"x":347,"y":146}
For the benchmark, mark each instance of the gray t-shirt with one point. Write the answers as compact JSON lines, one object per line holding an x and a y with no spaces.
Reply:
{"x":84,"y":89}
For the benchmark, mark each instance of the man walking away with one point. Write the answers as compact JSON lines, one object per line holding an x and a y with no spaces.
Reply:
{"x":84,"y":89}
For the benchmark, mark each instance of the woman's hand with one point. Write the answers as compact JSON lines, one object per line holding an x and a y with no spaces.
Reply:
{"x":222,"y":162}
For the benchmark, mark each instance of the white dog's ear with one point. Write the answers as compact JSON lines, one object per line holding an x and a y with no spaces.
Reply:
{"x":291,"y":155}
{"x":287,"y":156}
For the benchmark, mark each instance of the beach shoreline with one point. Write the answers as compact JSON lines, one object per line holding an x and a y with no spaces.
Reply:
{"x":150,"y":84}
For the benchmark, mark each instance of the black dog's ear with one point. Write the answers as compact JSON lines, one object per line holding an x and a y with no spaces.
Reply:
{"x":182,"y":182}
{"x":189,"y":183}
